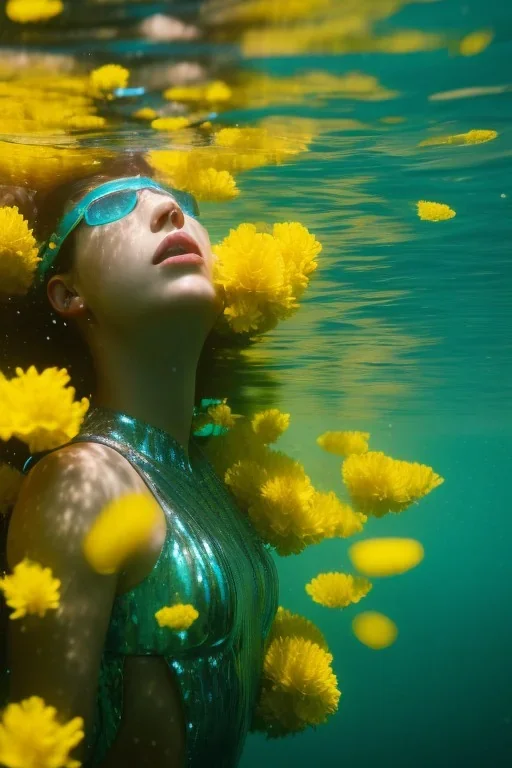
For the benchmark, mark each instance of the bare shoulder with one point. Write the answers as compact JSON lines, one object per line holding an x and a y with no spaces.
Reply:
{"x":62,"y":495}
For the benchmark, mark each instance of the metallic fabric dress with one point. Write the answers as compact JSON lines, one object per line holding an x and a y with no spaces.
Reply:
{"x":211,"y":558}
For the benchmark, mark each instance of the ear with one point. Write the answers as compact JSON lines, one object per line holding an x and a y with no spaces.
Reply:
{"x":63,"y":298}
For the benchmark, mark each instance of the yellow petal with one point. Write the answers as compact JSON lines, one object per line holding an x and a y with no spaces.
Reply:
{"x":386,"y":557}
{"x":374,"y":630}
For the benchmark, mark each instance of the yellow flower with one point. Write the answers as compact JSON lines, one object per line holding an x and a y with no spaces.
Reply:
{"x":378,"y":484}
{"x":32,"y":737}
{"x":184,"y":93}
{"x":23,"y":11}
{"x":337,"y":590}
{"x":222,"y":416}
{"x":434,"y":211}
{"x":374,"y":630}
{"x":213,"y":186}
{"x":299,"y":249}
{"x":18,"y":253}
{"x":107,"y":78}
{"x":385,"y":557}
{"x":299,"y":688}
{"x":170,"y":123}
{"x":476,"y":42}
{"x":460,"y":139}
{"x":270,"y":425}
{"x":253,"y":147}
{"x":344,"y":443}
{"x":39,"y":409}
{"x":31,"y":589}
{"x":217,"y":92}
{"x":146,"y":113}
{"x":338,"y":519}
{"x":86,"y":122}
{"x":123,"y":527}
{"x":177,"y":617}
{"x":288,"y":624}
{"x":10,"y":484}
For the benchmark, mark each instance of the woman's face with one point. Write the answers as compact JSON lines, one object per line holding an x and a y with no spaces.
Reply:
{"x":123,"y":272}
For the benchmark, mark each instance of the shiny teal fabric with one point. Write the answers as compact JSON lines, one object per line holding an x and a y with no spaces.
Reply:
{"x":211,"y":558}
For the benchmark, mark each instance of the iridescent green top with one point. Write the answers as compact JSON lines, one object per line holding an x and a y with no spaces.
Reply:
{"x":211,"y":558}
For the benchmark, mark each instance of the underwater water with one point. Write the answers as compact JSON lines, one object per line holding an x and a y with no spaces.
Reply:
{"x":404,"y":332}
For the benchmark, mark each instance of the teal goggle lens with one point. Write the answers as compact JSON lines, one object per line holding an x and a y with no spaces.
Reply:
{"x":117,"y":205}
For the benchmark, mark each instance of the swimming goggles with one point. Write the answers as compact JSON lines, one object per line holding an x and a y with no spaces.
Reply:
{"x":107,"y":203}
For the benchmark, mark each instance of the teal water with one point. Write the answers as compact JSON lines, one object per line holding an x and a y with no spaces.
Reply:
{"x":404,"y":333}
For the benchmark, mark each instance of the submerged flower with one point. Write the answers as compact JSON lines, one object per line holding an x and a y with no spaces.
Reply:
{"x":18,"y":253}
{"x":211,"y":185}
{"x":379,"y":484}
{"x":146,"y":113}
{"x":428,"y":211}
{"x":39,"y":408}
{"x":32,"y":737}
{"x":221,"y":415}
{"x":23,"y":11}
{"x":475,"y":42}
{"x":337,"y":590}
{"x":177,"y":617}
{"x":459,"y":139}
{"x":10,"y":484}
{"x":299,"y":687}
{"x":108,"y":78}
{"x":170,"y":123}
{"x":270,"y":425}
{"x":344,"y":443}
{"x":31,"y":589}
{"x":374,"y":630}
{"x":385,"y":557}
{"x":123,"y":527}
{"x":86,"y":122}
{"x":216,"y":92}
{"x":288,"y":624}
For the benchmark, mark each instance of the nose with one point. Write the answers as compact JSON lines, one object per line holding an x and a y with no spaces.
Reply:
{"x":169,"y":210}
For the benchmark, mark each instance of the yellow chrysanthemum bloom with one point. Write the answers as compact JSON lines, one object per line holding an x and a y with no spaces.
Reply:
{"x":461,"y":139}
{"x":170,"y":123}
{"x":379,"y":484}
{"x":428,"y":211}
{"x":123,"y":527}
{"x":107,"y":78}
{"x":374,"y":630}
{"x":221,"y":415}
{"x":18,"y":253}
{"x":270,"y":425}
{"x":86,"y":122}
{"x":288,"y":624}
{"x":344,"y":443}
{"x":337,"y":590}
{"x":211,"y":185}
{"x":184,"y":93}
{"x":30,"y":589}
{"x":299,"y":248}
{"x":299,"y":688}
{"x":10,"y":484}
{"x":146,"y":113}
{"x":177,"y":617}
{"x":338,"y":519}
{"x":385,"y":557}
{"x":475,"y":42}
{"x":25,"y":11}
{"x":39,"y":409}
{"x":217,"y":92}
{"x":253,"y":147}
{"x":32,"y":737}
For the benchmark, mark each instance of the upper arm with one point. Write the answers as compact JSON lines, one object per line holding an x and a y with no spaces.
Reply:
{"x":58,"y":656}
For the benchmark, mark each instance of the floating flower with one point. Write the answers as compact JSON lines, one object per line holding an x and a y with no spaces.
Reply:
{"x":299,"y":248}
{"x":10,"y":484}
{"x":123,"y":527}
{"x":385,"y":557}
{"x":428,"y":211}
{"x":86,"y":122}
{"x":337,"y":590}
{"x":344,"y":443}
{"x":374,"y":630}
{"x":146,"y":113}
{"x":108,"y":78}
{"x":299,"y":688}
{"x":18,"y":253}
{"x":459,"y":139}
{"x":476,"y":42}
{"x":288,"y":624}
{"x":221,"y":415}
{"x":270,"y":425}
{"x":379,"y":484}
{"x":26,"y":11}
{"x":39,"y":409}
{"x":213,"y":186}
{"x":170,"y":123}
{"x":32,"y":737}
{"x":177,"y":617}
{"x":217,"y":92}
{"x":31,"y":589}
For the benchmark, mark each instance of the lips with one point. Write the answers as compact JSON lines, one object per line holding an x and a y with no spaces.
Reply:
{"x":175,"y":244}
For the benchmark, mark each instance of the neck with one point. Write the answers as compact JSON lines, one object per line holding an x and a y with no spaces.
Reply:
{"x":152,"y":383}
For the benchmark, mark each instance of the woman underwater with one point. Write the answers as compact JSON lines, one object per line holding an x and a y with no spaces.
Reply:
{"x":148,"y":696}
